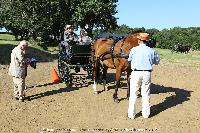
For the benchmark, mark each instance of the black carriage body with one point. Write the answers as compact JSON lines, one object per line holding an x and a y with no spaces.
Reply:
{"x":80,"y":54}
{"x":73,"y":57}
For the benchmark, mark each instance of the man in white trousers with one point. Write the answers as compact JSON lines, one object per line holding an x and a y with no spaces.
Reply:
{"x":142,"y":59}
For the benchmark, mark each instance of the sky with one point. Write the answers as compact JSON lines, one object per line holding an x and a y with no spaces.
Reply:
{"x":159,"y":14}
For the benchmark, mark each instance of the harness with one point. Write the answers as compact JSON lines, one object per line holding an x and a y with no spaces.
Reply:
{"x":111,"y":52}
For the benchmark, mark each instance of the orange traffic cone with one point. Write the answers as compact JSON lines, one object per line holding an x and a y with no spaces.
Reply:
{"x":54,"y":77}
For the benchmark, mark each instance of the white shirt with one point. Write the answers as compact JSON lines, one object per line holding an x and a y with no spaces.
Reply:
{"x":143,"y":57}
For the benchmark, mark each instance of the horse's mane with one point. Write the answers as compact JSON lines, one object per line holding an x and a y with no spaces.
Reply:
{"x":132,"y":39}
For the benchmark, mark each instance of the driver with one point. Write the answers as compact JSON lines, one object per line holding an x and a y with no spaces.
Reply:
{"x":69,"y":35}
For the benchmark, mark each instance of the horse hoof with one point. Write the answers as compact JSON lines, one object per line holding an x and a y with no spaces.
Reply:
{"x":96,"y":92}
{"x":106,"y":89}
{"x":116,"y":100}
{"x":139,"y":95}
{"x":127,"y":97}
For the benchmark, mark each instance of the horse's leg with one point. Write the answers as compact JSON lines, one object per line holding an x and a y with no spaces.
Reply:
{"x":95,"y":88}
{"x":105,"y":68}
{"x":118,"y":75}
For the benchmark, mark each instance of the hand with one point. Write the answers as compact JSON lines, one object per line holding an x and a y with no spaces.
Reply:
{"x":27,"y":60}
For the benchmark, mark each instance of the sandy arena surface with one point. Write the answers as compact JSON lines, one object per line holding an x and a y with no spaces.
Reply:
{"x":175,"y":103}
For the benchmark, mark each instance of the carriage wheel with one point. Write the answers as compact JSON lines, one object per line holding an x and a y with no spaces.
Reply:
{"x":64,"y":70}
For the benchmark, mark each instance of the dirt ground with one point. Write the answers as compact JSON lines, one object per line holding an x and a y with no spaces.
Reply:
{"x":175,"y":104}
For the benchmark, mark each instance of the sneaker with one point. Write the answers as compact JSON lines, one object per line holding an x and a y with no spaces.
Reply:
{"x":145,"y":117}
{"x":131,"y":117}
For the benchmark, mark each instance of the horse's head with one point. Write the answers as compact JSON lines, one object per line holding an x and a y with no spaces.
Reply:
{"x":132,"y":39}
{"x":151,"y":43}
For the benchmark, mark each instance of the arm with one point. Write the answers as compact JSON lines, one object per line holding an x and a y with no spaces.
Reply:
{"x":75,"y":37}
{"x":20,"y":58}
{"x":70,"y":37}
{"x":130,"y":55}
{"x":66,"y":36}
{"x":156,"y":59}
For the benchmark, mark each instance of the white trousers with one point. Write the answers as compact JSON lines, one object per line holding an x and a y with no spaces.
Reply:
{"x":139,"y":79}
{"x":19,"y":87}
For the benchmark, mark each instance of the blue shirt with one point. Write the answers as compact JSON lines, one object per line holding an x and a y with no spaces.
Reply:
{"x":143,"y":57}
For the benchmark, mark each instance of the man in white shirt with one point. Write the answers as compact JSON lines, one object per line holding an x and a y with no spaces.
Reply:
{"x":142,"y":59}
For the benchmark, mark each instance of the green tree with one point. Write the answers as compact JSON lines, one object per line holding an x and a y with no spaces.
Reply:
{"x":152,"y":31}
{"x":47,"y":18}
{"x":98,"y":14}
{"x":123,"y":29}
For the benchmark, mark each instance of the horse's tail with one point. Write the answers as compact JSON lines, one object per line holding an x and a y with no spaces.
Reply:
{"x":98,"y":73}
{"x":95,"y":64}
{"x":97,"y":70}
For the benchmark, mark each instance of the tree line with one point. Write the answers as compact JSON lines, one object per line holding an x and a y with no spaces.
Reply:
{"x":45,"y":20}
{"x":167,"y":38}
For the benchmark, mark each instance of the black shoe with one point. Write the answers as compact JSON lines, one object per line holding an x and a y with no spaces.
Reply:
{"x":16,"y":98}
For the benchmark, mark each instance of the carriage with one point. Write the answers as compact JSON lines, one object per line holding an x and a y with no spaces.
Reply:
{"x":73,"y":57}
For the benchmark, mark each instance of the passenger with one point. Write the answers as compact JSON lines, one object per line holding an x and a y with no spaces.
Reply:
{"x":69,"y":35}
{"x":84,"y":38}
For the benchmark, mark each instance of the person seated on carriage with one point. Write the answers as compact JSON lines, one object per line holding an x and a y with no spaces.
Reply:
{"x":84,"y":38}
{"x":69,"y":36}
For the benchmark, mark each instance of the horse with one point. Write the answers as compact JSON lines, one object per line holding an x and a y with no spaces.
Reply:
{"x":113,"y":54}
{"x":181,"y":48}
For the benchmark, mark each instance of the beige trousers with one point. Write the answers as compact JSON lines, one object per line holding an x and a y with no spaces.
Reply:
{"x":19,"y":87}
{"x":139,"y":79}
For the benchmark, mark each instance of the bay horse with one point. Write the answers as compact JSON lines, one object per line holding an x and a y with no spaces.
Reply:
{"x":109,"y":53}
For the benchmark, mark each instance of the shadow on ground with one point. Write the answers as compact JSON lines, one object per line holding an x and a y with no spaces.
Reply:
{"x":76,"y":85}
{"x":178,"y":96}
{"x":111,"y":81}
{"x":40,"y":55}
{"x":50,"y":92}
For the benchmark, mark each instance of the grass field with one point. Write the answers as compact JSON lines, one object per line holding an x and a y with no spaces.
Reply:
{"x":7,"y":39}
{"x":7,"y":42}
{"x":192,"y":59}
